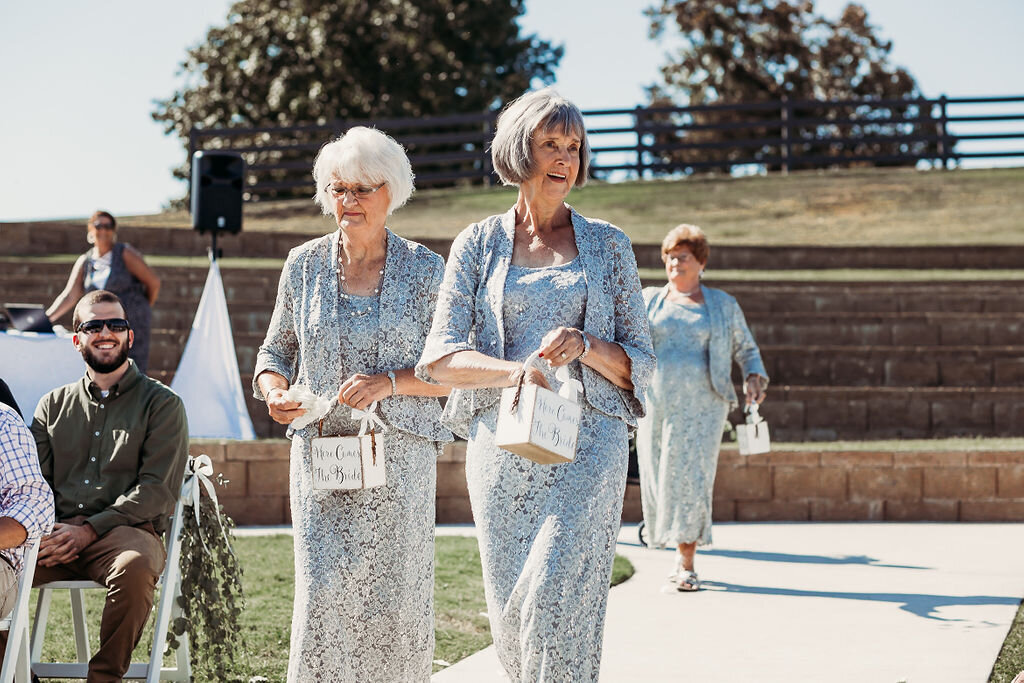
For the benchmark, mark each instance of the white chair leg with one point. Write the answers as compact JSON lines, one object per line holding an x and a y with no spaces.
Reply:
{"x":23,"y":668}
{"x":81,"y":626}
{"x":39,"y":625}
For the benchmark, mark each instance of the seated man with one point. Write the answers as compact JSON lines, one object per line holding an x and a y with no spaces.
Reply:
{"x":113,"y":447}
{"x":26,"y":502}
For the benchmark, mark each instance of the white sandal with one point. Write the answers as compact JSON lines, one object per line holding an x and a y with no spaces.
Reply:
{"x":687,"y":582}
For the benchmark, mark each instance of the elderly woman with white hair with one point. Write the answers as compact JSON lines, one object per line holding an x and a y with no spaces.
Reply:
{"x":542,"y":278}
{"x":352,"y":314}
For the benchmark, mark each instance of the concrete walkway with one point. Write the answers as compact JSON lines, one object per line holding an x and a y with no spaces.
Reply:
{"x":860,"y":602}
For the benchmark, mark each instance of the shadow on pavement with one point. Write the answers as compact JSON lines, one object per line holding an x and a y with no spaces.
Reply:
{"x":802,"y":559}
{"x":919,"y":604}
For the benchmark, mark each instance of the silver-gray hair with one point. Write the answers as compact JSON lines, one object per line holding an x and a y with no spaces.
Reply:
{"x":362,"y":156}
{"x":542,"y":110}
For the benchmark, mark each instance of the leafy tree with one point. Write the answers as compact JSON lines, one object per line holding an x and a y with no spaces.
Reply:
{"x":278,"y":63}
{"x":759,"y":51}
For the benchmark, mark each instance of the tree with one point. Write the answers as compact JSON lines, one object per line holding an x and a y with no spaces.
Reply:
{"x":760,"y":51}
{"x":317,"y":61}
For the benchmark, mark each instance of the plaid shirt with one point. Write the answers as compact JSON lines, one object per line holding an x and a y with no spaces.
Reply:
{"x":24,"y":495}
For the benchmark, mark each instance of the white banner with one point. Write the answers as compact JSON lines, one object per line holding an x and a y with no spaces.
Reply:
{"x":207,"y":377}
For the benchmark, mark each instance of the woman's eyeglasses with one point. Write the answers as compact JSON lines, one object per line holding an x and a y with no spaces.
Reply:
{"x":359,"y":191}
{"x":115,"y":325}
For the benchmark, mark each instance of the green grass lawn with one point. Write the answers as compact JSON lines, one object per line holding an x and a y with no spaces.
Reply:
{"x":460,"y":625}
{"x":1011,"y":656}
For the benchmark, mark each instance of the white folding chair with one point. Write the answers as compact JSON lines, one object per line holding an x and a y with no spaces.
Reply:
{"x":16,"y":662}
{"x":167,"y":610}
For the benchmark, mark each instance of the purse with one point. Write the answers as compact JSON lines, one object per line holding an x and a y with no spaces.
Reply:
{"x":347,"y":462}
{"x":538,"y":424}
{"x":753,"y":436}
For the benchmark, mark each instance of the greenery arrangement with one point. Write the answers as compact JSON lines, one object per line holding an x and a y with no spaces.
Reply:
{"x":212,"y":599}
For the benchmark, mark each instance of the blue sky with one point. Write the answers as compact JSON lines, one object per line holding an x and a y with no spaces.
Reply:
{"x":79,"y":80}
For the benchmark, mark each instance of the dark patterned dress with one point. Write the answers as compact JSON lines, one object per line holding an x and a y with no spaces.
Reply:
{"x":132,"y":293}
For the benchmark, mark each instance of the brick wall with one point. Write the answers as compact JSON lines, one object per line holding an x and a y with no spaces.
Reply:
{"x":780,"y":486}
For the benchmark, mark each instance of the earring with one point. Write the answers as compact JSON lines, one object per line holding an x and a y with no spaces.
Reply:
{"x":90,"y":238}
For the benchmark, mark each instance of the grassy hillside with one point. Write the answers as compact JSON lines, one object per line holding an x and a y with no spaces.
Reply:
{"x":880,"y":207}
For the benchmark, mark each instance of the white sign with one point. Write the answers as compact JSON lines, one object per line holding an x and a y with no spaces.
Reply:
{"x":752,"y":437}
{"x":347,"y":462}
{"x":543,"y":427}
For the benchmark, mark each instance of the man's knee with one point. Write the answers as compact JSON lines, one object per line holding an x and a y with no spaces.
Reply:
{"x":133,"y":572}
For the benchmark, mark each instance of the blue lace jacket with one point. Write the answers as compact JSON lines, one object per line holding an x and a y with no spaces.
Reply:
{"x":302,"y":342}
{"x":730,"y":339}
{"x":469,"y":312}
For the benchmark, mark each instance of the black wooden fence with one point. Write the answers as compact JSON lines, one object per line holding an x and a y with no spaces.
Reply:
{"x":657,"y":141}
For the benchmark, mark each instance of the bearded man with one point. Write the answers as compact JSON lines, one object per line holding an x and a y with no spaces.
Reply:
{"x":113,"y":447}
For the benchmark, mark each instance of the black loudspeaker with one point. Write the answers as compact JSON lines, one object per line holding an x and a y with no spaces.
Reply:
{"x":217,"y":179}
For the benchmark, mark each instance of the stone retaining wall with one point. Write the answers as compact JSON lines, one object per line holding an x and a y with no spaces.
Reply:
{"x":781,"y":486}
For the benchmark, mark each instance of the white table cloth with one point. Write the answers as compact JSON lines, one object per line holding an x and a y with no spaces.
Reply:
{"x":33,"y":363}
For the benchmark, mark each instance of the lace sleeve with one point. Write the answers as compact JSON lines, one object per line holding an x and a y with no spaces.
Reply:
{"x":744,"y":349}
{"x":454,"y":314}
{"x":632,"y":330}
{"x":280,"y":348}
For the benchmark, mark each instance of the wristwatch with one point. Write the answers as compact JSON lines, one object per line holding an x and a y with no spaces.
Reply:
{"x":586,"y":345}
{"x":394,"y":382}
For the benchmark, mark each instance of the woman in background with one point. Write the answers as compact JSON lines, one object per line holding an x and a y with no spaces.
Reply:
{"x":697,"y":333}
{"x":119,"y":268}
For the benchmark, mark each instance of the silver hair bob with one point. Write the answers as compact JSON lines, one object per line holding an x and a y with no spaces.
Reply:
{"x":362,"y":156}
{"x":544,"y":109}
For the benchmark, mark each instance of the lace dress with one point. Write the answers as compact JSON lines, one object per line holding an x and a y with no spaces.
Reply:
{"x":677,"y":442}
{"x":547,"y":532}
{"x":364,"y":560}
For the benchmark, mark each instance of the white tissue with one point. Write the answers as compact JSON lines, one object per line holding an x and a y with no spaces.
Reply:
{"x":315,"y":406}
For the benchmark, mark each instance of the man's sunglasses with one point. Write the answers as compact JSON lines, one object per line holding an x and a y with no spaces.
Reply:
{"x":115,"y":325}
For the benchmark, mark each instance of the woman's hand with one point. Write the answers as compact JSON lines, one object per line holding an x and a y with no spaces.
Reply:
{"x":535,"y":376}
{"x":562,"y":346}
{"x":755,"y":389}
{"x":282,"y":410}
{"x":359,"y":391}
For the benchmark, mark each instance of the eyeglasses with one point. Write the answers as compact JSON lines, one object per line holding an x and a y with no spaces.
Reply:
{"x":359,"y":191}
{"x":103,"y":226}
{"x":115,"y":325}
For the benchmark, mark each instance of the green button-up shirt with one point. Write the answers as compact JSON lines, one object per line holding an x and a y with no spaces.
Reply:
{"x":117,"y":460}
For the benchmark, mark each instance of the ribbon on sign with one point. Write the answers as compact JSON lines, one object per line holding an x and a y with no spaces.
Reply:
{"x":570,"y":387}
{"x":368,"y":419}
{"x":199,"y":470}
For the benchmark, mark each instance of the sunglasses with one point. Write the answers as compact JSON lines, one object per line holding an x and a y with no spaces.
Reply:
{"x":115,"y":325}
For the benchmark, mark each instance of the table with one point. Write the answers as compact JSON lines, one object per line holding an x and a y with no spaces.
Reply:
{"x":33,"y":363}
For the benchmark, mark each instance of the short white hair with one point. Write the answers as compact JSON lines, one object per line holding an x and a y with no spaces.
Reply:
{"x":362,"y":156}
{"x":543,"y":110}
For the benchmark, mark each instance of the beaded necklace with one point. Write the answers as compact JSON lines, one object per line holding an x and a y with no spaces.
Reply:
{"x":345,"y":295}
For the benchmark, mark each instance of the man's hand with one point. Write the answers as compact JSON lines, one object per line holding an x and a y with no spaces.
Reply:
{"x":64,"y":543}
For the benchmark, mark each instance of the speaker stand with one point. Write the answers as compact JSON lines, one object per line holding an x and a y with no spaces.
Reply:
{"x":212,"y":251}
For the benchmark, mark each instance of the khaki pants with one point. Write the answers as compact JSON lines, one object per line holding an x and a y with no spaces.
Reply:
{"x":8,"y":588}
{"x":128,"y":561}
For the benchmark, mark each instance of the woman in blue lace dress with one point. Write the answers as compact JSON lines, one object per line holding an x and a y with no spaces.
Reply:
{"x":698,"y":332}
{"x":352,"y":312}
{"x":541,"y":277}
